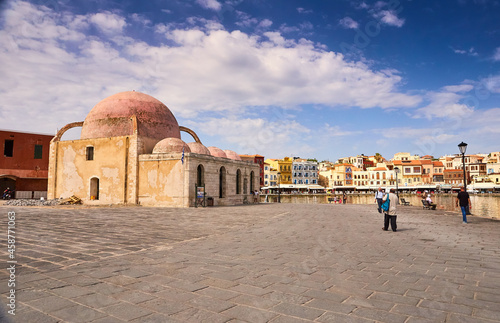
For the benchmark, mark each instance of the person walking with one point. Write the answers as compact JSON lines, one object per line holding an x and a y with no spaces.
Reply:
{"x":390,"y":215}
{"x":379,"y":195}
{"x":463,"y":199}
{"x":344,"y":198}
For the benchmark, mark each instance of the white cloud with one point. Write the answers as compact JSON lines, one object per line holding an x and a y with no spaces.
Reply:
{"x":108,"y":22}
{"x":389,"y":17}
{"x":447,"y":103}
{"x":210,"y":4}
{"x":470,"y":52}
{"x":304,"y":11}
{"x":207,"y":70}
{"x":349,"y":23}
{"x":254,"y":135}
{"x":496,"y":55}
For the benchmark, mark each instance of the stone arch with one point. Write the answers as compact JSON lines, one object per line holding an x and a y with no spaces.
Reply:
{"x":238,"y":181}
{"x":222,"y":182}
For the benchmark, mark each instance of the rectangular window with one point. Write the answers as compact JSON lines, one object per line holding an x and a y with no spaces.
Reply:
{"x":8,"y":148}
{"x":407,"y":170}
{"x":90,"y":153}
{"x":38,"y":151}
{"x":416,"y":170}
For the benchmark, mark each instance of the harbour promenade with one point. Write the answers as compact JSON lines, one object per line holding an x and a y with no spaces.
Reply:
{"x":257,"y":263}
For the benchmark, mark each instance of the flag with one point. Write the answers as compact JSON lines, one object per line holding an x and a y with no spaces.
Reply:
{"x":182,"y":158}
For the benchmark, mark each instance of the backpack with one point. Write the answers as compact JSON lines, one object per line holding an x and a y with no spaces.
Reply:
{"x":386,"y":204}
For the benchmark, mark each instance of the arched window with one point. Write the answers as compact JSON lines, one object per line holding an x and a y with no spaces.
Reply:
{"x":252,"y":180}
{"x":200,"y":175}
{"x":238,"y":182}
{"x":222,"y":182}
{"x":94,"y":188}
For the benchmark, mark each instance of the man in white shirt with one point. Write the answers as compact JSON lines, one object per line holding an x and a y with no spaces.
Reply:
{"x":379,"y":195}
{"x":429,"y":200}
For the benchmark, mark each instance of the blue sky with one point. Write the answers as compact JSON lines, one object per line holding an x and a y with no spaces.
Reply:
{"x":315,"y":79}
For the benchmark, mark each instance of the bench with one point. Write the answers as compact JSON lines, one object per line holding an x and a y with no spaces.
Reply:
{"x":428,"y":206}
{"x":404,"y":202}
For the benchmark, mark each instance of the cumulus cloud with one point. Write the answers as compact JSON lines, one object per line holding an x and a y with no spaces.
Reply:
{"x":496,"y":55}
{"x":108,"y":22}
{"x":255,"y":135}
{"x":349,"y":23}
{"x":447,"y":103}
{"x":389,"y":17}
{"x":197,"y":69}
{"x":210,"y":4}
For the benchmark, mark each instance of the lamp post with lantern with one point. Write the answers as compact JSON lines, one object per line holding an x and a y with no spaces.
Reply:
{"x":279,"y":187}
{"x":463,"y":147}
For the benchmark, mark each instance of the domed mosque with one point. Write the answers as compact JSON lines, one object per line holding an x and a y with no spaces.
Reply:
{"x":130,"y":152}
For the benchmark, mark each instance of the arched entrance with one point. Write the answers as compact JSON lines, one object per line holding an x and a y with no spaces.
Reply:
{"x":200,"y":175}
{"x":7,"y":182}
{"x":252,"y":180}
{"x":238,"y":182}
{"x":94,"y":188}
{"x":222,"y":182}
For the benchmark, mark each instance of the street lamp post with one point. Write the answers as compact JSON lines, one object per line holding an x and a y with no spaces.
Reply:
{"x":463,"y":147}
{"x":396,"y":170}
{"x":279,"y":188}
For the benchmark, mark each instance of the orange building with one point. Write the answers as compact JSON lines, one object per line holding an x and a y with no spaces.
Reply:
{"x":24,"y":163}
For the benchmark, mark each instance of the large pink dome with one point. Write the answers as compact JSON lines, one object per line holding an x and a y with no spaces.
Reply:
{"x":232,"y":155}
{"x":198,"y":148}
{"x":171,"y":145}
{"x":217,"y":152}
{"x":112,"y":117}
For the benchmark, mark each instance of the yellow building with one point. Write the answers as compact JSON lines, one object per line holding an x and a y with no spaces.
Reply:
{"x":285,"y":168}
{"x":130,"y":152}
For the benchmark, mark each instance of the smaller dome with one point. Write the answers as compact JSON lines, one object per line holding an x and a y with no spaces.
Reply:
{"x":232,"y":155}
{"x":198,"y":148}
{"x":217,"y":152}
{"x":171,"y":145}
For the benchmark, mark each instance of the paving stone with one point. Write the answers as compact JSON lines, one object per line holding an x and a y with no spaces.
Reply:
{"x":126,"y":311}
{"x":256,"y":259}
{"x":78,"y":313}
{"x":71,"y":291}
{"x":96,"y":300}
{"x":379,"y":315}
{"x":164,"y":306}
{"x":255,"y":301}
{"x":50,"y":303}
{"x":196,"y":315}
{"x":330,"y":317}
{"x":249,"y":314}
{"x":210,"y":303}
{"x":298,"y":311}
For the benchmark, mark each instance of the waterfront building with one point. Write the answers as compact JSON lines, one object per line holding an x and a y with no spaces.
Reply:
{"x":304,"y":171}
{"x":454,"y":177}
{"x":259,"y":160}
{"x":24,"y":163}
{"x":403,"y":156}
{"x":411,"y":172}
{"x":285,"y":168}
{"x":270,"y":176}
{"x":130,"y":152}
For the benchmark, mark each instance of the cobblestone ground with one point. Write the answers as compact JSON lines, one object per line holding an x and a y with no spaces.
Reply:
{"x":258,"y":263}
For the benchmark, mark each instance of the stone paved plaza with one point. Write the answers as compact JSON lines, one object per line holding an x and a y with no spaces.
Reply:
{"x":257,"y":263}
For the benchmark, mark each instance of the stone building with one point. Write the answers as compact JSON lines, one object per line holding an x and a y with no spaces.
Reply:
{"x":130,"y":152}
{"x":24,"y":163}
